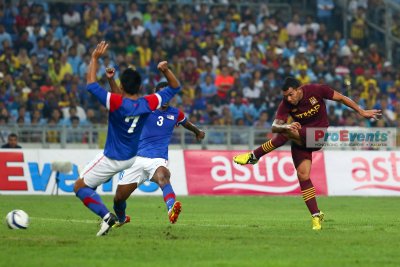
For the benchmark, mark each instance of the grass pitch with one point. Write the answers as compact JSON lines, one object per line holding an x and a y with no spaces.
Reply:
{"x":212,"y":231}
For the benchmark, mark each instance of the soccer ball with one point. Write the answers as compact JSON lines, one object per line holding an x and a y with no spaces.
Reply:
{"x":17,"y":219}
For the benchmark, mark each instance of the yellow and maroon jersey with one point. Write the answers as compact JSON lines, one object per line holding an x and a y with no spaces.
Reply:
{"x":311,"y":109}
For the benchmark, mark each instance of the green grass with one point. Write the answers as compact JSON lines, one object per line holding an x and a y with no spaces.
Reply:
{"x":212,"y":231}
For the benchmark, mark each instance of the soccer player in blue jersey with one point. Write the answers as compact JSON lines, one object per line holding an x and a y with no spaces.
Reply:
{"x":127,"y":114}
{"x":152,"y":157}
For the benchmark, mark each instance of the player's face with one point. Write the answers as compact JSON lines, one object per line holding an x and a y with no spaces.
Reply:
{"x":292,"y":96}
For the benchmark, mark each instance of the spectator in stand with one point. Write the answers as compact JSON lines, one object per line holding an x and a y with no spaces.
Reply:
{"x":75,"y":135}
{"x":208,"y":71}
{"x":47,"y":51}
{"x":74,"y":60}
{"x":199,"y":103}
{"x":251,"y":92}
{"x":22,"y":19}
{"x":52,"y":134}
{"x":244,"y":40}
{"x":263,"y":121}
{"x":388,"y":111}
{"x":136,"y":27}
{"x":237,"y":59}
{"x":190,"y":75}
{"x":133,"y":12}
{"x":55,"y":29}
{"x":294,"y":28}
{"x":153,"y":25}
{"x":255,"y":109}
{"x":211,"y":58}
{"x":4,"y":36}
{"x":71,"y":18}
{"x":325,"y":12}
{"x":208,"y":88}
{"x":224,"y":82}
{"x":238,"y":108}
{"x":358,"y":30}
{"x":12,"y":142}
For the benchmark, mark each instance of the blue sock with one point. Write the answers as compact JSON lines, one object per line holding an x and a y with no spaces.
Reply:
{"x":119,"y":208}
{"x":92,"y":200}
{"x":169,"y":195}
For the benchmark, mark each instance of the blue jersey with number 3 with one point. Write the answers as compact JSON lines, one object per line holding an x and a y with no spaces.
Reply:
{"x":157,"y":132}
{"x":126,"y":118}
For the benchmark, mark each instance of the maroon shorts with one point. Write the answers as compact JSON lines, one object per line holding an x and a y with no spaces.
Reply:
{"x":300,"y":153}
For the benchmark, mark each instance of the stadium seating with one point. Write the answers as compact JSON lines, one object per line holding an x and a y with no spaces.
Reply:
{"x":45,"y":47}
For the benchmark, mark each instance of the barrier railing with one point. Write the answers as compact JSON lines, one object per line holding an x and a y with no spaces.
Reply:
{"x":94,"y":136}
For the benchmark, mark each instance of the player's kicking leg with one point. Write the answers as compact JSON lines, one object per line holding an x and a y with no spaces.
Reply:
{"x":302,"y":159}
{"x":276,"y":141}
{"x":161,"y":177}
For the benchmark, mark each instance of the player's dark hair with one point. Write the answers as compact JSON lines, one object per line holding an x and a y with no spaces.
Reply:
{"x":290,"y":82}
{"x":131,"y":81}
{"x":161,"y":85}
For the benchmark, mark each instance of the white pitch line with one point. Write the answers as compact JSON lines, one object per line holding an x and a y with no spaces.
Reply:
{"x":178,"y":224}
{"x":64,"y":220}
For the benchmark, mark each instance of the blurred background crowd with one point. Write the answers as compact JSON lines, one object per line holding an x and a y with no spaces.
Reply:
{"x":230,"y":58}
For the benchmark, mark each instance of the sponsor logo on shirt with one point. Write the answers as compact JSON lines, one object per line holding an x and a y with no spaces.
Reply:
{"x":311,"y":112}
{"x":313,"y":100}
{"x":171,"y":117}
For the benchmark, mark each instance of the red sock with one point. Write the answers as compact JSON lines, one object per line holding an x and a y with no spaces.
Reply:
{"x":276,"y":141}
{"x":308,"y":191}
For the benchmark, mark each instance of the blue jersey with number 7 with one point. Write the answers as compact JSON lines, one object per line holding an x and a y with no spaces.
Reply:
{"x":126,"y":118}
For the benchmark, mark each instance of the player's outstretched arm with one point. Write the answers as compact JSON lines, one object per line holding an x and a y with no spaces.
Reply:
{"x":166,"y":94}
{"x":169,"y":75}
{"x":96,"y":54}
{"x":93,"y":87}
{"x":368,"y":114}
{"x":193,"y":128}
{"x":279,"y":126}
{"x":110,"y":72}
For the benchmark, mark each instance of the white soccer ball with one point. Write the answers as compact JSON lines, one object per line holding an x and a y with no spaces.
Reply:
{"x":17,"y":219}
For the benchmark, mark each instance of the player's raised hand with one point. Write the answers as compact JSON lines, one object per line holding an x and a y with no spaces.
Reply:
{"x":110,"y":72}
{"x":100,"y":49}
{"x":200,"y":135}
{"x":371,"y":114}
{"x":162,"y":66}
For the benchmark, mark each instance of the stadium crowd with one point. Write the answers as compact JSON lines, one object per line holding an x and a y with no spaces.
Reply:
{"x":231,"y":59}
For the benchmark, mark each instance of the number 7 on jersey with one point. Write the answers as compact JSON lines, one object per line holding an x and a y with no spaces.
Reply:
{"x":134,"y":122}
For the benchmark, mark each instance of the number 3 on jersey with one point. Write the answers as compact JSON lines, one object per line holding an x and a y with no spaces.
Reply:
{"x":160,"y":120}
{"x":134,"y":122}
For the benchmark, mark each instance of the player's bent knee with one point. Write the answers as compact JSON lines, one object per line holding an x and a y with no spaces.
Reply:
{"x":161,"y":176}
{"x":79,"y":184}
{"x":303,"y":176}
